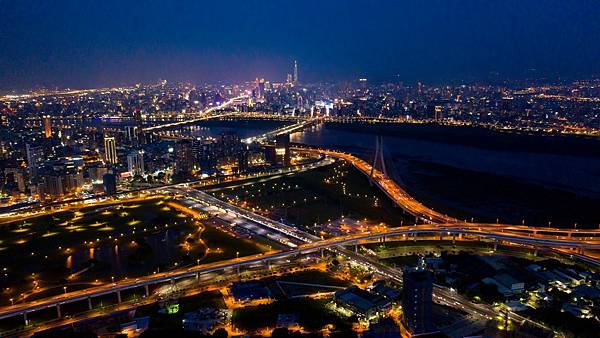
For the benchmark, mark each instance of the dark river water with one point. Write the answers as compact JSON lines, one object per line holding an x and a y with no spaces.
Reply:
{"x":482,"y":174}
{"x":471,"y":172}
{"x":465,"y":172}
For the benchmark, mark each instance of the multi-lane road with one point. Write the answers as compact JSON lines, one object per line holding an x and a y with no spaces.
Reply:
{"x":204,"y":115}
{"x":283,"y":130}
{"x":398,"y":195}
{"x":313,"y":244}
{"x":302,"y":242}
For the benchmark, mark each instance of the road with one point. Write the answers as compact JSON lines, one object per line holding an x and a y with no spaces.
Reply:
{"x":36,"y":209}
{"x":312,"y":244}
{"x":283,"y":130}
{"x":437,"y":223}
{"x":390,"y":188}
{"x":206,"y":114}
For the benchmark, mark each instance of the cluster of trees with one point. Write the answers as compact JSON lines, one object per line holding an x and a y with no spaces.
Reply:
{"x":222,"y":333}
{"x":181,"y":333}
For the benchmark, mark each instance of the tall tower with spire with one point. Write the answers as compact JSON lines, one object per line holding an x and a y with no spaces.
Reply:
{"x":295,"y":72}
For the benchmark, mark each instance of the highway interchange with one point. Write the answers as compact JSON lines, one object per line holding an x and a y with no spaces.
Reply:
{"x":565,"y":241}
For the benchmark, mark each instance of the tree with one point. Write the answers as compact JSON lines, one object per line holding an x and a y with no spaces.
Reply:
{"x":220,"y":333}
{"x":280,"y":332}
{"x":490,"y":294}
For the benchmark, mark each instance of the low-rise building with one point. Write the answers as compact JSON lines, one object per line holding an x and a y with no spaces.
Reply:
{"x":205,"y":319}
{"x":361,"y":302}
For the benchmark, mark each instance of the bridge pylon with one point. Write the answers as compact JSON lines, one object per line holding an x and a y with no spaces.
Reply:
{"x":378,"y":158}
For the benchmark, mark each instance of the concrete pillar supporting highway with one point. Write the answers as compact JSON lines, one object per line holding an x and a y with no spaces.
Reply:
{"x":535,"y":251}
{"x":495,"y":246}
{"x":383,"y":239}
{"x":581,"y":250}
{"x":268,"y":264}
{"x":238,"y":270}
{"x":441,"y":236}
{"x":147,"y":289}
{"x":89,"y":303}
{"x":58,"y":311}
{"x":322,"y":253}
{"x":25,"y":318}
{"x":414,"y":237}
{"x":453,"y":239}
{"x":355,"y":247}
{"x":119,"y":297}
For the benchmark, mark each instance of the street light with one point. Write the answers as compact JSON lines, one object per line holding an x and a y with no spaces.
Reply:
{"x":65,"y":289}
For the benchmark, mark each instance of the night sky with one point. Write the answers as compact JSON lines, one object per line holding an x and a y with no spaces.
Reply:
{"x":82,"y":44}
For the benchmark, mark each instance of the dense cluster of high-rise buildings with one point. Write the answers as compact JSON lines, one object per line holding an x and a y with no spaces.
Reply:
{"x":62,"y":143}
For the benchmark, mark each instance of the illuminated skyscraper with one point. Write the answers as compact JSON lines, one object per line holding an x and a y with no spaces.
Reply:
{"x":295,"y":72}
{"x":109,"y":181}
{"x":363,"y":83}
{"x":282,"y":149}
{"x":47,"y":127}
{"x":260,"y":88}
{"x":438,"y":113}
{"x":110,"y":149}
{"x":135,"y":162}
{"x":184,"y":158}
{"x":35,"y":159}
{"x":417,"y":300}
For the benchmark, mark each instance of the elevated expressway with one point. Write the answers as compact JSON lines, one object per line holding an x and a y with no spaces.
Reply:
{"x":560,"y":240}
{"x":437,"y":224}
{"x":398,"y":195}
{"x":204,"y":115}
{"x":283,"y":130}
{"x":311,"y":246}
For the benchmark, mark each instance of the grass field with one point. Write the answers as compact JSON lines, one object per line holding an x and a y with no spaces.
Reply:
{"x":316,"y":197}
{"x":134,"y":238}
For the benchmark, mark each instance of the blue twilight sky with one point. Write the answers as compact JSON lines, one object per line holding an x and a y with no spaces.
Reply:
{"x":84,"y":43}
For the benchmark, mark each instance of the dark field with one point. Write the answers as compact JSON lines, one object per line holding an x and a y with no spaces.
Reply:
{"x":78,"y":248}
{"x":316,"y":197}
{"x":471,"y":172}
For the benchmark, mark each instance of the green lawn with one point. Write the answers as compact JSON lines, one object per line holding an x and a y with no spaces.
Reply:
{"x":48,"y":236}
{"x":317,"y":196}
{"x":314,"y":277}
{"x":46,"y":245}
{"x":223,"y":246}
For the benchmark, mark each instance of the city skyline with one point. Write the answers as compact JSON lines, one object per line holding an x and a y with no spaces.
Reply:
{"x":88,"y":45}
{"x":314,"y":169}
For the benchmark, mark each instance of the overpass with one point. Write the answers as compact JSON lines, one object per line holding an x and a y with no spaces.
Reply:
{"x":205,"y":115}
{"x":283,"y":130}
{"x":311,"y":246}
{"x":558,"y":240}
{"x":396,"y":193}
